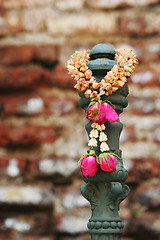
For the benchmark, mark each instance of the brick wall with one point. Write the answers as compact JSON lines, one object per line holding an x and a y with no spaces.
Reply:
{"x":42,"y":127}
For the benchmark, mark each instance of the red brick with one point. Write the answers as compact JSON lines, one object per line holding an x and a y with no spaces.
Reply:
{"x":4,"y":27}
{"x":145,"y":76}
{"x":27,"y":166}
{"x":140,"y":24}
{"x":46,"y":55}
{"x":127,"y":238}
{"x":29,"y":21}
{"x":69,"y":199}
{"x":24,"y":78}
{"x":146,"y":51}
{"x":61,"y":78}
{"x":13,"y":55}
{"x":67,"y":221}
{"x":29,"y":224}
{"x":149,"y":53}
{"x":45,"y":237}
{"x":139,"y":105}
{"x":85,"y":236}
{"x":35,"y":104}
{"x":127,"y":134}
{"x":7,"y":234}
{"x":147,"y":194}
{"x":157,"y":134}
{"x":27,"y":135}
{"x":14,"y":22}
{"x":60,"y":170}
{"x":11,"y":4}
{"x":31,"y":167}
{"x":107,"y":4}
{"x":145,"y":226}
{"x":66,"y":5}
{"x":67,"y":50}
{"x":37,"y":195}
{"x":58,"y":105}
{"x":21,"y":164}
{"x":82,"y":24}
{"x":16,"y":54}
{"x":142,"y":169}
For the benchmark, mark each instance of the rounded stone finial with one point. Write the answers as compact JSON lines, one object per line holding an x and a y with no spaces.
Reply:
{"x":102,"y":50}
{"x":102,"y":60}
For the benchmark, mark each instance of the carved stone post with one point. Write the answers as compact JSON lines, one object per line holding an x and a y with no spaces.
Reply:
{"x":101,"y":79}
{"x":105,"y":190}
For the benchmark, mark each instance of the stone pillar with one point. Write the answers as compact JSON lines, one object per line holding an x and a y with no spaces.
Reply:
{"x":105,"y":191}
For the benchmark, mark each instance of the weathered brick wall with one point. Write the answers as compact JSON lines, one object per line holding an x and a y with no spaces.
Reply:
{"x":42,"y":127}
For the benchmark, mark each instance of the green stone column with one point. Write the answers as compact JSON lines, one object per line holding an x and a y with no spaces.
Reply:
{"x":105,"y":191}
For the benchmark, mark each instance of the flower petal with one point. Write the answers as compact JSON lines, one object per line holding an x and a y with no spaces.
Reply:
{"x":100,"y":113}
{"x":111,"y":114}
{"x":96,"y":113}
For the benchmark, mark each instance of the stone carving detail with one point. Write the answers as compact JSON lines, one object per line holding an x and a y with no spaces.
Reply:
{"x":90,"y":192}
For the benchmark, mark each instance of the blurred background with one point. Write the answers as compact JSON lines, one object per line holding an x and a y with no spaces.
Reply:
{"x":42,"y":128}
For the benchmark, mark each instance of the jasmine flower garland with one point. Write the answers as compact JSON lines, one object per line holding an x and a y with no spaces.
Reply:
{"x":116,"y":78}
{"x":99,"y":111}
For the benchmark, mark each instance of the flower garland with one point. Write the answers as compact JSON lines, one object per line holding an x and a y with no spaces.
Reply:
{"x":99,"y":111}
{"x":116,"y":78}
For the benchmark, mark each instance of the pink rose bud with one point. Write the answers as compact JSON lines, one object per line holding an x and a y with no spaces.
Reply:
{"x":89,"y":166}
{"x":108,"y":165}
{"x":100,"y":113}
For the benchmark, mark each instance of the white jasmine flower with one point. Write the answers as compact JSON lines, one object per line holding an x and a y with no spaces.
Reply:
{"x":104,"y":147}
{"x":92,"y":142}
{"x":99,"y":127}
{"x":103,"y":127}
{"x":95,"y":125}
{"x":94,"y":133}
{"x":102,"y":137}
